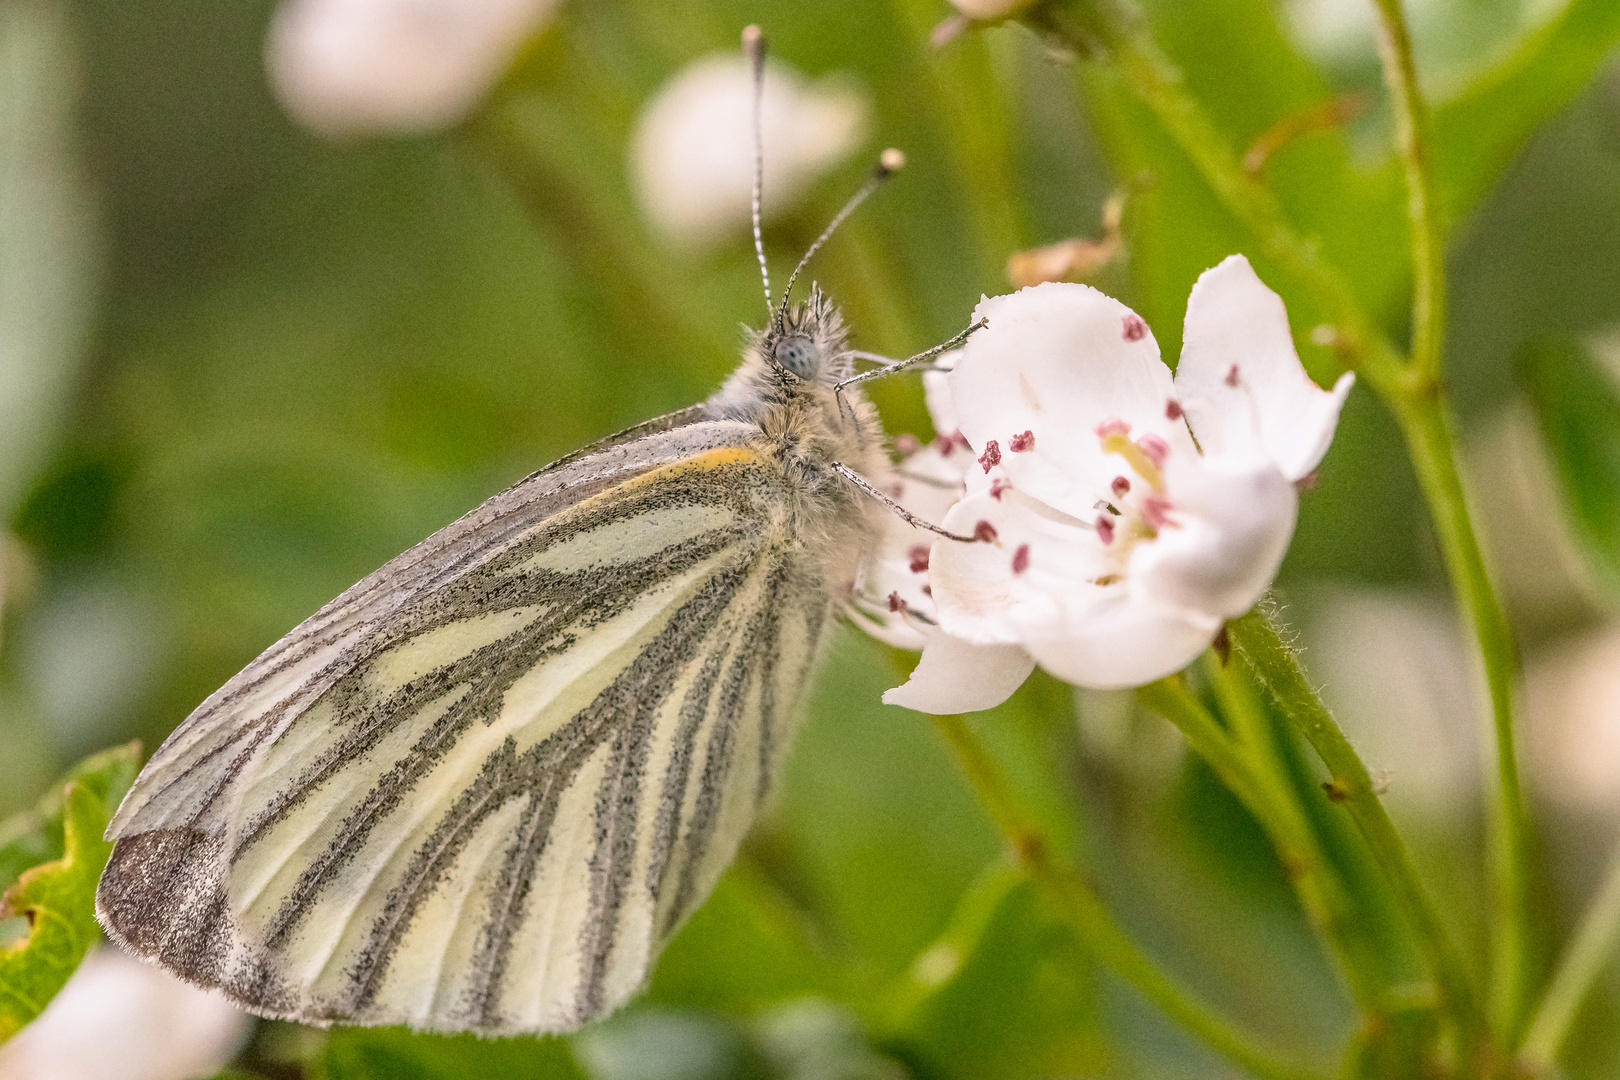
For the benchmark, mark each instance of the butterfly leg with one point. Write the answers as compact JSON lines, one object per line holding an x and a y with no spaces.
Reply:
{"x":905,"y":515}
{"x":910,"y":361}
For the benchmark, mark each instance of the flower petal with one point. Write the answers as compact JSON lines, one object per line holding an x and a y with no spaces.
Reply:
{"x":891,"y":583}
{"x":1124,"y":640}
{"x":987,"y":592}
{"x":1240,"y":379}
{"x":1056,"y":360}
{"x":956,"y":676}
{"x":1231,"y":521}
{"x":937,"y":394}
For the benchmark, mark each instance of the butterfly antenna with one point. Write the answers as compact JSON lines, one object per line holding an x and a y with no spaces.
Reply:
{"x":754,"y":48}
{"x":889,"y":162}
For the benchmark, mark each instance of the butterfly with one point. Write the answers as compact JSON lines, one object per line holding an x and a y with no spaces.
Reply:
{"x":481,"y":788}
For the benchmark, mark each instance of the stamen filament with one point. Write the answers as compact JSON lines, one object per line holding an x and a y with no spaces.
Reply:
{"x":1119,"y":443}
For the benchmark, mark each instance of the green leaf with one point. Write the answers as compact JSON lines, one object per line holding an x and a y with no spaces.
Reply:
{"x":36,"y":836}
{"x":59,"y":901}
{"x":1577,"y":405}
{"x":1478,"y":132}
{"x":745,"y":948}
{"x":1246,"y":77}
{"x":1005,"y":991}
{"x":400,"y":1054}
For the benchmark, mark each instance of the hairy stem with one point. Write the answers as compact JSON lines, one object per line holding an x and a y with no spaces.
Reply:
{"x":1247,"y":772}
{"x":1089,"y":920}
{"x":1276,"y":665}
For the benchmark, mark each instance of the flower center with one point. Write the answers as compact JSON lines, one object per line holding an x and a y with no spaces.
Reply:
{"x":1145,"y":456}
{"x":1123,"y":521}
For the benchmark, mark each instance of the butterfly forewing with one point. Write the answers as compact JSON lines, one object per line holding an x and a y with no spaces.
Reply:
{"x":480,"y":789}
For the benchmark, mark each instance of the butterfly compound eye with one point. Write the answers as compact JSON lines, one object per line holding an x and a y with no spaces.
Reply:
{"x":799,"y":355}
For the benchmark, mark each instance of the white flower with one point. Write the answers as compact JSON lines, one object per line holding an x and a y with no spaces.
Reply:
{"x":893,"y":600}
{"x":379,"y":66}
{"x":692,"y":156}
{"x":1122,"y":515}
{"x":120,"y":1019}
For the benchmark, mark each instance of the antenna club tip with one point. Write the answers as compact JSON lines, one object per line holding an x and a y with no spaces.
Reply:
{"x":891,"y":160}
{"x":753,"y":39}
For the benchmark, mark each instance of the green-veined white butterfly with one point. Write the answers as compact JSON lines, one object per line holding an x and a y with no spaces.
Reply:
{"x":482,"y":787}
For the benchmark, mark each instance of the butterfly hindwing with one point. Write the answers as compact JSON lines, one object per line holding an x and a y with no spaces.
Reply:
{"x":481,"y":788}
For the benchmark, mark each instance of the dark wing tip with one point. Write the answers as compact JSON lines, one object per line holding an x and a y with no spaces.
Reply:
{"x":162,"y":898}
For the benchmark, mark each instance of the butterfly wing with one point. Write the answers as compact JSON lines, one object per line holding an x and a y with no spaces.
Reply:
{"x":480,"y":789}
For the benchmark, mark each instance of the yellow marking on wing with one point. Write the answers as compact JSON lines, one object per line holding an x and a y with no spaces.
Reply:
{"x":710,"y":459}
{"x":718,"y":458}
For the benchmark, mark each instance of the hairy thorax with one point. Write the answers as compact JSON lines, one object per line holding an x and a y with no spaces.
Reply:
{"x":805,"y":428}
{"x":826,"y":515}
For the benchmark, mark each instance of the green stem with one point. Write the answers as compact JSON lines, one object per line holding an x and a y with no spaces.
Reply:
{"x":1427,"y":432}
{"x":1412,"y":389}
{"x":1427,"y":426}
{"x":1413,"y":139}
{"x":1431,"y":442}
{"x":1591,"y":948}
{"x":1087,"y":917}
{"x":1249,"y":776}
{"x":1276,"y":665}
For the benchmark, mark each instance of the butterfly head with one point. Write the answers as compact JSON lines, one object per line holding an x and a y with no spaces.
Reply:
{"x":806,"y":343}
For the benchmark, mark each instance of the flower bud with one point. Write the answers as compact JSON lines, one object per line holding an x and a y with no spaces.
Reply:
{"x":347,"y":67}
{"x":990,"y":10}
{"x":692,"y":156}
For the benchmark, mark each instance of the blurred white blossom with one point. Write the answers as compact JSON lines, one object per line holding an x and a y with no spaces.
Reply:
{"x":1396,"y":672}
{"x":1572,"y":715}
{"x":986,"y":10}
{"x":1121,"y":515}
{"x":120,"y":1019}
{"x":89,"y":649}
{"x":692,"y":155}
{"x":384,"y":66}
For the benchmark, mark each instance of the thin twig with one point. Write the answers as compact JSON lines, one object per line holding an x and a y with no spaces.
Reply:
{"x":1512,"y":848}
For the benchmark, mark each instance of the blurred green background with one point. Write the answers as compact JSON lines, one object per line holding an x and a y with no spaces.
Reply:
{"x":248,"y":365}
